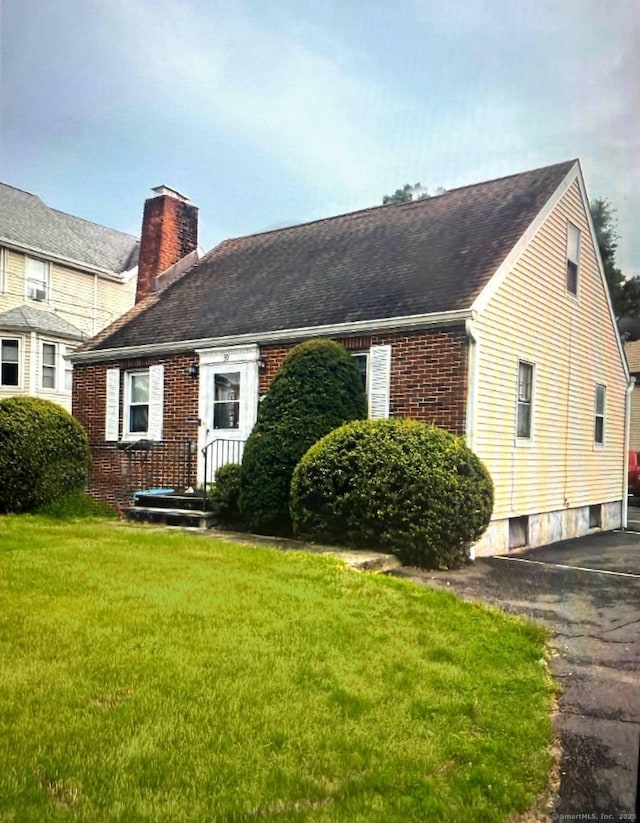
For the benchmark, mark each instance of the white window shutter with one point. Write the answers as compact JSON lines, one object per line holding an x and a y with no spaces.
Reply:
{"x":156,"y":402}
{"x":379,"y":381}
{"x":113,"y":405}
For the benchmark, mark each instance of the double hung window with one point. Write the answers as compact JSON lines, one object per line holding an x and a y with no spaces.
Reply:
{"x":573,"y":258}
{"x":49,"y":357}
{"x":525,"y":400}
{"x":37,"y":279}
{"x":9,"y":362}
{"x":137,"y":403}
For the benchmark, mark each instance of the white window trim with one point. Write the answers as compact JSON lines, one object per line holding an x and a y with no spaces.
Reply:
{"x":19,"y":341}
{"x":596,"y":444}
{"x":30,"y":291}
{"x":525,"y":442}
{"x":155,"y":404}
{"x":55,"y":367}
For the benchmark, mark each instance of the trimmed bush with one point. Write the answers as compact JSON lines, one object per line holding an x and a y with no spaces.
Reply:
{"x":44,"y":453}
{"x":395,"y":485}
{"x":225,"y":495}
{"x":316,"y":389}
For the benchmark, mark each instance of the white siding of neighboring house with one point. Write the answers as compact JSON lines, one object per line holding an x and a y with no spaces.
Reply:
{"x":573,"y":345}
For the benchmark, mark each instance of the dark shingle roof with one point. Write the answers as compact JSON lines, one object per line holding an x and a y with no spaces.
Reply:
{"x":27,"y":222}
{"x":26,"y":318}
{"x":429,"y":256}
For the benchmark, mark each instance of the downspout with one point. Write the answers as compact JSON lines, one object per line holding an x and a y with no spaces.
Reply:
{"x":473,"y":367}
{"x":625,"y":456}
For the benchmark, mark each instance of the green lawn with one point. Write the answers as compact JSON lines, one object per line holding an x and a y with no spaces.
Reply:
{"x":165,"y":676}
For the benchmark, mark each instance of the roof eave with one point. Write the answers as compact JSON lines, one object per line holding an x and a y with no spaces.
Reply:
{"x":408,"y":323}
{"x":120,"y":277}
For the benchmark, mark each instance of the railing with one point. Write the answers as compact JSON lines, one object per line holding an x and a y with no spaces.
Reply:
{"x":159,"y":464}
{"x":216,"y":453}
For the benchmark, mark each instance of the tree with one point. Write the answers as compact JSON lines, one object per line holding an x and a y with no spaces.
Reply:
{"x":317,"y":388}
{"x":625,"y":293}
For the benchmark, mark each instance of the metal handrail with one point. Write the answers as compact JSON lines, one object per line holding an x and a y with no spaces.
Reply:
{"x":234,"y":446}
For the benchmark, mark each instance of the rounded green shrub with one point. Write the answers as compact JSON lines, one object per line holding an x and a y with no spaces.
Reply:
{"x":44,"y":453}
{"x":317,"y":388}
{"x":398,"y":486}
{"x":225,"y":495}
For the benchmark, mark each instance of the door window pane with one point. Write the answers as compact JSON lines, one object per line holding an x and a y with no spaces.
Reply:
{"x":226,"y":401}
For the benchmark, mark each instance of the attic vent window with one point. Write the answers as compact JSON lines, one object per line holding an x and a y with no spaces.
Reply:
{"x":573,"y":258}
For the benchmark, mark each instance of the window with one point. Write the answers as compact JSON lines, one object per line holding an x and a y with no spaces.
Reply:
{"x":9,"y":360}
{"x":525,"y":392}
{"x":68,"y":374}
{"x":137,"y":410}
{"x":361,"y":363}
{"x":573,"y":258}
{"x":37,"y":279}
{"x":49,"y":365}
{"x":601,"y":393}
{"x":226,"y":400}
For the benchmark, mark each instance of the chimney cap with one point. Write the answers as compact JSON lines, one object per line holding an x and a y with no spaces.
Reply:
{"x":162,"y":190}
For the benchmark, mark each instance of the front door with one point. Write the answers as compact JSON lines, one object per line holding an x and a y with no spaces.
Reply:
{"x":228,"y":405}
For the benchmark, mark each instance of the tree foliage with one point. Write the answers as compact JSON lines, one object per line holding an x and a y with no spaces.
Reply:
{"x":625,"y":293}
{"x":317,"y":388}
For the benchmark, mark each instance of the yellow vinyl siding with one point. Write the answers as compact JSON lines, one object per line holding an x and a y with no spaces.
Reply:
{"x":75,"y":295}
{"x":572,"y":344}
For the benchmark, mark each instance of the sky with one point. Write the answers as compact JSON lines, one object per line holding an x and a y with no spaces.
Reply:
{"x":271,"y":113}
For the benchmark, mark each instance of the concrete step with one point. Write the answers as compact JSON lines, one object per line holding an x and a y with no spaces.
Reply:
{"x":170,"y":517}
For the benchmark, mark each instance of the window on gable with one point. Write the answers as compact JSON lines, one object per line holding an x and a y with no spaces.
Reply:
{"x":37,"y":279}
{"x":573,"y":258}
{"x":601,"y":394}
{"x":525,"y":399}
{"x":9,"y":363}
{"x":226,"y":400}
{"x":137,"y":403}
{"x":49,"y":355}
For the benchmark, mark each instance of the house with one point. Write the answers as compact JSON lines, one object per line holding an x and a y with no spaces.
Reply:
{"x":62,"y":280}
{"x":632,"y":350}
{"x":483,"y":310}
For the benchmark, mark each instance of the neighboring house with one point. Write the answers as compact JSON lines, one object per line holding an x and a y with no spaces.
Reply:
{"x":483,"y":310}
{"x":632,"y":350}
{"x":62,"y":280}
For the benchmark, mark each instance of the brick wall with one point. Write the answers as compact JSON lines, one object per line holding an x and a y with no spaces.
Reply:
{"x":428,"y":383}
{"x":428,"y":373}
{"x":115,"y":473}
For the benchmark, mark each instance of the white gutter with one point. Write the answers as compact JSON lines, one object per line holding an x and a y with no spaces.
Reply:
{"x":625,"y":465}
{"x":416,"y":321}
{"x":65,"y":261}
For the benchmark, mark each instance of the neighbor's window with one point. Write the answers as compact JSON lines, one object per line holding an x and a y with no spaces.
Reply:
{"x":37,"y":279}
{"x":525,"y":390}
{"x":226,"y":400}
{"x":601,"y":393}
{"x":361,"y":363}
{"x":573,"y":258}
{"x":48,"y":366}
{"x":9,"y":372}
{"x":137,"y":402}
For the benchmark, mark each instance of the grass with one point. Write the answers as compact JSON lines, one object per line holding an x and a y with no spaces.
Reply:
{"x":165,"y":676}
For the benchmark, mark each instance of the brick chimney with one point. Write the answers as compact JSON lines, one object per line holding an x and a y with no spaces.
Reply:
{"x":169,"y":232}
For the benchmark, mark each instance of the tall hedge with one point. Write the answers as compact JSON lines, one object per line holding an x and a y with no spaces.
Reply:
{"x":44,"y":453}
{"x":317,"y":388}
{"x":395,"y":485}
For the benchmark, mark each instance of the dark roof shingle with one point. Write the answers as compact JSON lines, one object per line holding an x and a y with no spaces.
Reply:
{"x":428,"y":256}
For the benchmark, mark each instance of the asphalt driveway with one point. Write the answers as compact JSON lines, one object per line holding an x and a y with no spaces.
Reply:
{"x":587,"y":593}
